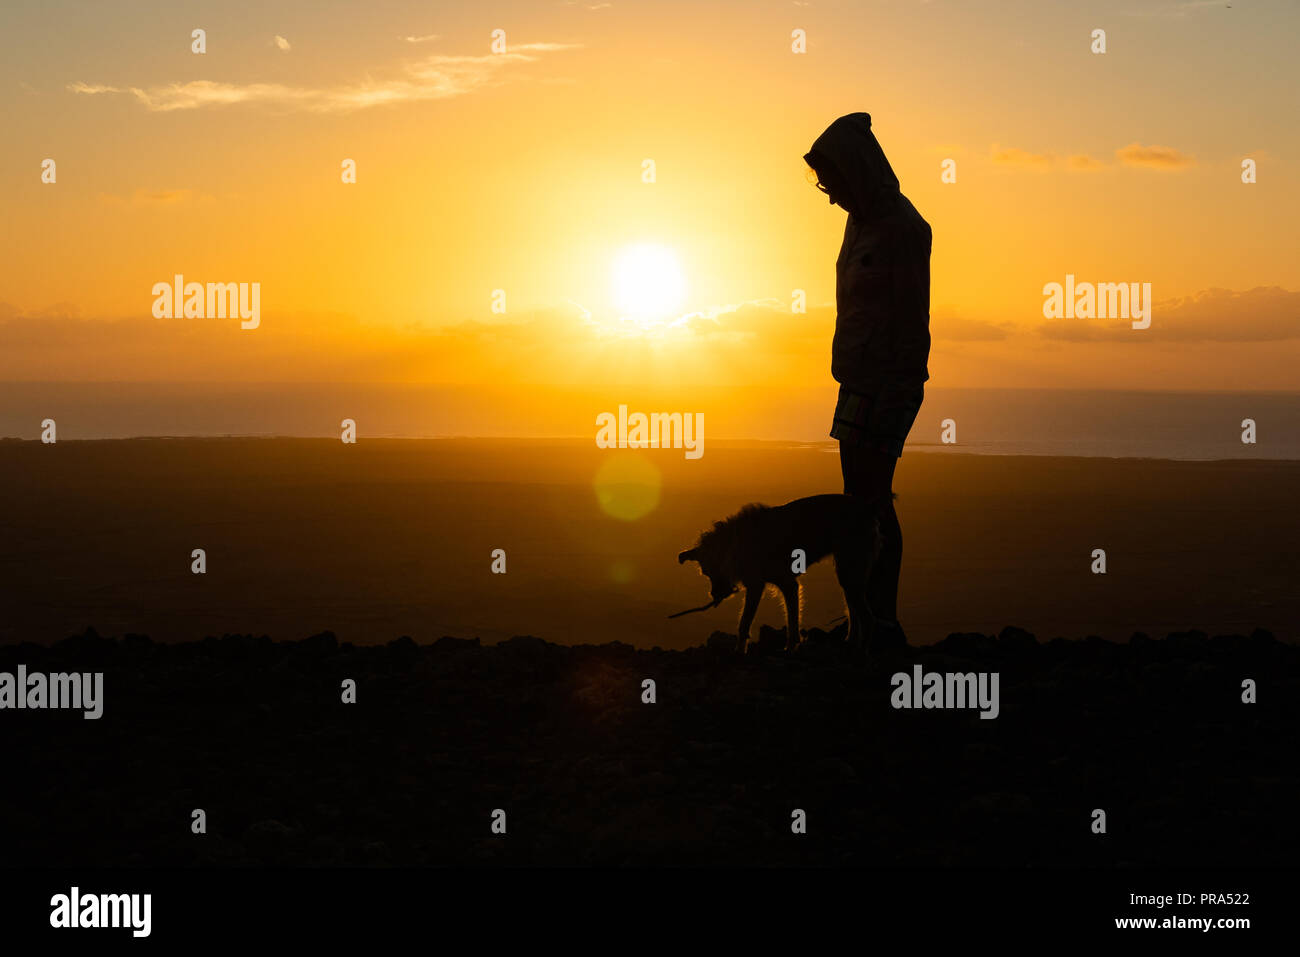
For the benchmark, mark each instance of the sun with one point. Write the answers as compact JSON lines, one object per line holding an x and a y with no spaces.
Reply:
{"x":647,"y":283}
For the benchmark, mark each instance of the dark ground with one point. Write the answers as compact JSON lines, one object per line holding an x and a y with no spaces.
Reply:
{"x":394,"y":537}
{"x":254,"y":732}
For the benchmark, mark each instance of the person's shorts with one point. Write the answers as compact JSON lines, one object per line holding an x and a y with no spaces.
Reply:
{"x":881,"y":418}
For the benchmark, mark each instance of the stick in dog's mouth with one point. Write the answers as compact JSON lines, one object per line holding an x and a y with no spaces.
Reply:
{"x":691,"y":611}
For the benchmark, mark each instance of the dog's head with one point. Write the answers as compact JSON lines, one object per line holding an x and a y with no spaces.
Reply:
{"x":713,"y":564}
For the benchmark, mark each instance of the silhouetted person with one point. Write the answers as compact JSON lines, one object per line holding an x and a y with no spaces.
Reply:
{"x":882,"y":332}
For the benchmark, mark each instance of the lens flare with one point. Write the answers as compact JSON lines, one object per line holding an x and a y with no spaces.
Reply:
{"x":627,"y":486}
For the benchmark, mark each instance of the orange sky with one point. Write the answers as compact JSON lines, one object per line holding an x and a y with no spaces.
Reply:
{"x":523,"y":172}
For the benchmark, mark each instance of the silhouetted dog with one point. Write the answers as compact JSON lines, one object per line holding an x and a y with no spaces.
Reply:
{"x":756,"y":547}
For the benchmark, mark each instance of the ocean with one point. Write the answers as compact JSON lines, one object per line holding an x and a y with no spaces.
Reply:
{"x":1105,"y":424}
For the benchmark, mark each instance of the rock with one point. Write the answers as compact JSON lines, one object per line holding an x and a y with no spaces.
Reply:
{"x":252,"y":731}
{"x":270,"y":833}
{"x":317,"y":646}
{"x":967,"y":644}
{"x":1017,"y":639}
{"x":722,"y":643}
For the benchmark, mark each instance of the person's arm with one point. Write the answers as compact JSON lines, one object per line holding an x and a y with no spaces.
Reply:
{"x":911,"y":322}
{"x":868,"y":286}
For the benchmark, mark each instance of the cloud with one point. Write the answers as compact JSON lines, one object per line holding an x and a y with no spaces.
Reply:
{"x":1178,"y":8}
{"x":93,"y":88}
{"x":1135,"y":154}
{"x":545,"y":47}
{"x":432,"y":78}
{"x":424,"y":39}
{"x":56,"y":311}
{"x":1083,"y":162}
{"x":1153,"y":157}
{"x":154,"y":197}
{"x":954,"y":329}
{"x":1016,"y":157}
{"x":1263,"y":314}
{"x":730,"y":346}
{"x":737,"y":345}
{"x":281,"y":42}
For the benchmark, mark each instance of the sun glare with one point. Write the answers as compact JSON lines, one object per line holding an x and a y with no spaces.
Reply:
{"x":647,"y":282}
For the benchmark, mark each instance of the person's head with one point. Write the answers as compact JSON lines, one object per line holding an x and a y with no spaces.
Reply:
{"x":851,"y":167}
{"x":823,"y":174}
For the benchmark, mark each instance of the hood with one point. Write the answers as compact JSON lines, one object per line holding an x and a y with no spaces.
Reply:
{"x":850,"y":145}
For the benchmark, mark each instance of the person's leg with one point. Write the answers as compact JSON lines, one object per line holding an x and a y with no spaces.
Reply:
{"x":882,"y":585}
{"x":868,"y":472}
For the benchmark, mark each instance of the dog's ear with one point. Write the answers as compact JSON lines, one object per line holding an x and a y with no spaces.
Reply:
{"x":688,"y":556}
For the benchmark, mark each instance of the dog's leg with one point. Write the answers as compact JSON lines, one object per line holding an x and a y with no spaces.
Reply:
{"x":752,"y":596}
{"x":790,"y":595}
{"x":853,"y":581}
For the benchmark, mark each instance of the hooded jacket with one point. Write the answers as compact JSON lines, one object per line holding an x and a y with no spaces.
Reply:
{"x":882,"y":275}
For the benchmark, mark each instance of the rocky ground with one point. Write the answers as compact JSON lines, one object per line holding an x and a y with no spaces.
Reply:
{"x":254,"y":732}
